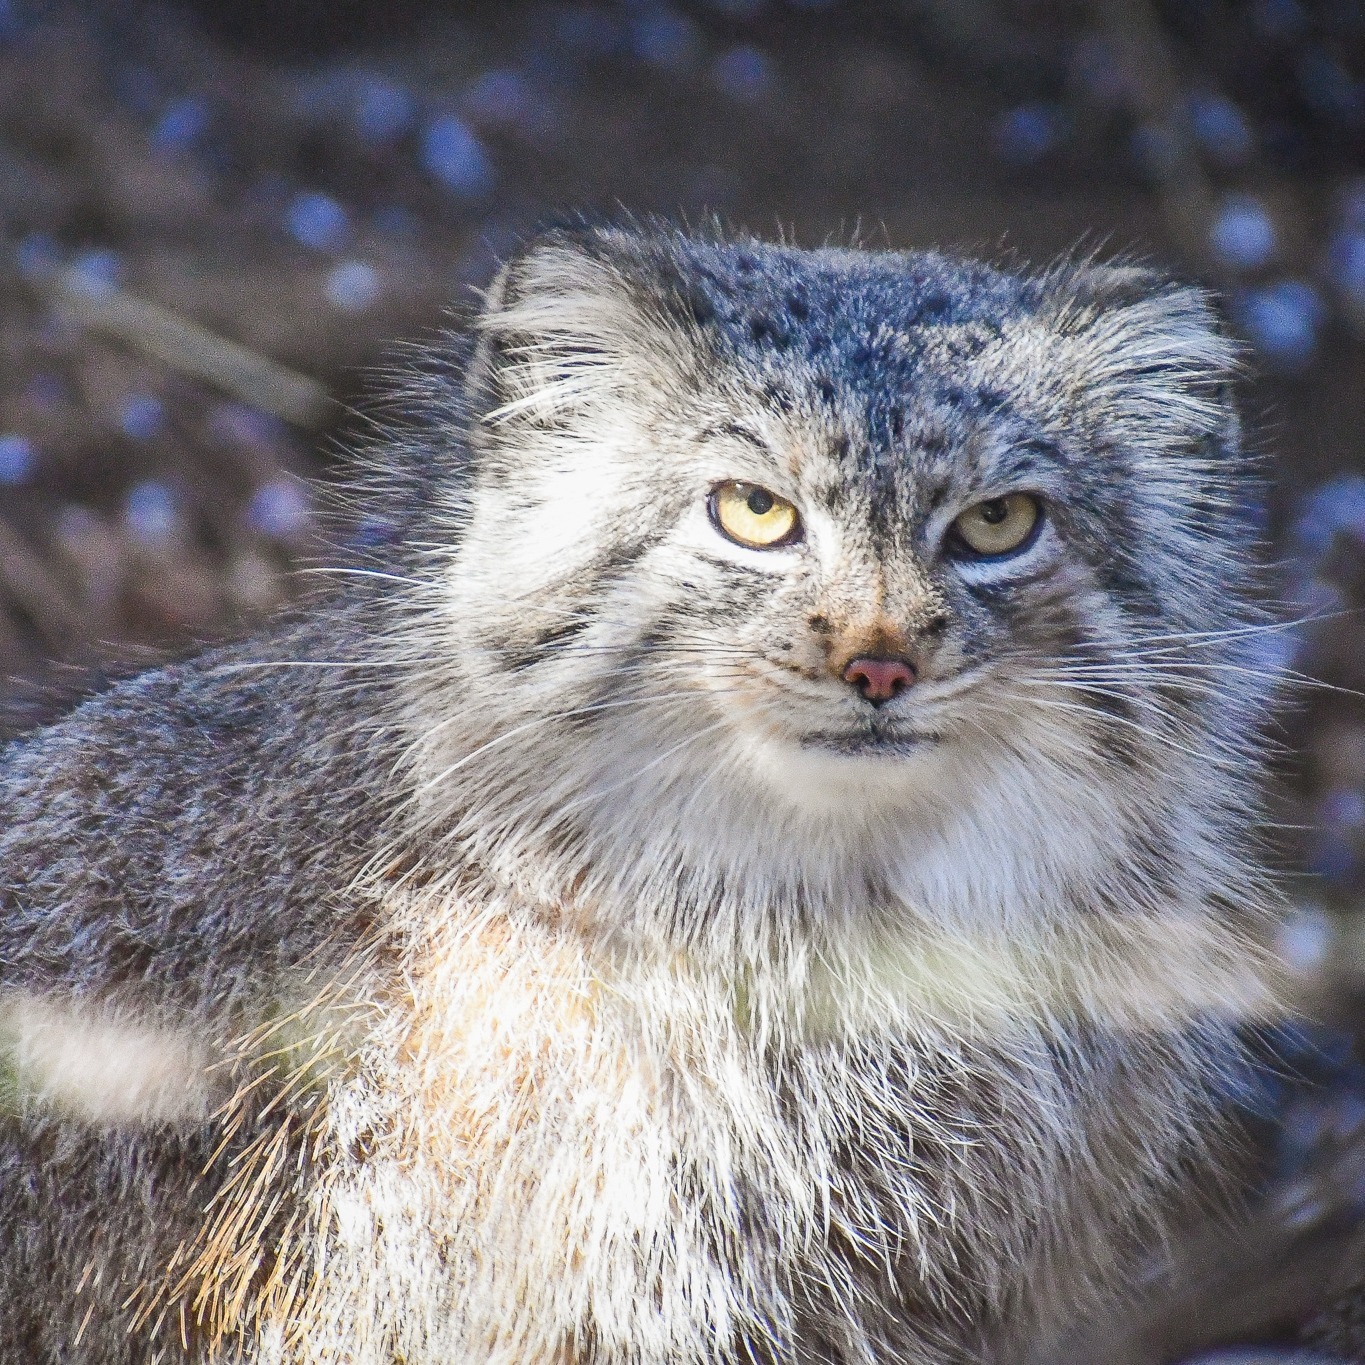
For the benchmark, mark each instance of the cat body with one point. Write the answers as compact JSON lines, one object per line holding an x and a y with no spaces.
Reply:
{"x":610,"y":931}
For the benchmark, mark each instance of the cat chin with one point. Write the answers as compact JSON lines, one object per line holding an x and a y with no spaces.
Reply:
{"x":877,"y":748}
{"x":840,"y":773}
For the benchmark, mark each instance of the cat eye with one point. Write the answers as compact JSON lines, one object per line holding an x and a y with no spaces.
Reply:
{"x":998,"y":526}
{"x":752,"y":516}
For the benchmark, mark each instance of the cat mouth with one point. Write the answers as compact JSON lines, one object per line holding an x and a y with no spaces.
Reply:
{"x":872,"y":743}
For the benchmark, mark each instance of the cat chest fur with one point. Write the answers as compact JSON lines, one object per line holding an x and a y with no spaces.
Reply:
{"x":568,"y":1161}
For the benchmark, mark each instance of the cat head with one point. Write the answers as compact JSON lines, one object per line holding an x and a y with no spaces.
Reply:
{"x":861,"y":541}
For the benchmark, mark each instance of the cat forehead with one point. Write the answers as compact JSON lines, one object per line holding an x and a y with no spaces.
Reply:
{"x":868,"y":362}
{"x":874,"y":358}
{"x":864,"y":319}
{"x":879,"y":348}
{"x":745,"y":281}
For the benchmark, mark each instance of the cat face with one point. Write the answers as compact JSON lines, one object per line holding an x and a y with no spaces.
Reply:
{"x":863,"y":524}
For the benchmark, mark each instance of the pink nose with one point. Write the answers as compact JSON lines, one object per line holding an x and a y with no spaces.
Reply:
{"x":879,"y":679}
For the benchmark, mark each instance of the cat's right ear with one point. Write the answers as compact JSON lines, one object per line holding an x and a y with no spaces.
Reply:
{"x":564,"y":332}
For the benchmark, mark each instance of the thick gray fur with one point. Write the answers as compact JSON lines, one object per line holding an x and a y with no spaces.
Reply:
{"x":578,"y":969}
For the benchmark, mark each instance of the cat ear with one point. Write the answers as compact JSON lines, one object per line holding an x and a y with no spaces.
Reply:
{"x":565,"y":330}
{"x":1153,"y":355}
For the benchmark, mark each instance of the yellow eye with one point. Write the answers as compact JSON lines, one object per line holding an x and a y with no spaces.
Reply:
{"x":1000,"y":525}
{"x":753,"y":516}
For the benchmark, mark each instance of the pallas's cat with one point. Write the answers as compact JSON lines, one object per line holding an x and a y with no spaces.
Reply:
{"x":759,"y":867}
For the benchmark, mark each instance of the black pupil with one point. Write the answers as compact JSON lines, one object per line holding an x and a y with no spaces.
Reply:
{"x":995,"y":511}
{"x":759,"y":502}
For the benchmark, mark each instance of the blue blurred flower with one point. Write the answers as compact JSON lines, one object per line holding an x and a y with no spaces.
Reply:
{"x":352,"y":286}
{"x":279,"y":509}
{"x":241,"y":424}
{"x":663,"y":37}
{"x":1155,"y":147}
{"x":1346,"y":259}
{"x":152,"y":512}
{"x":46,"y":390}
{"x":1332,"y":508}
{"x":36,"y":255}
{"x":1351,"y":203}
{"x":1343,"y":808}
{"x":1332,"y":857}
{"x":1278,"y":18}
{"x":182,"y":123}
{"x":1242,"y":236}
{"x":1329,"y":88}
{"x":454,"y":156}
{"x":317,"y":221}
{"x":587,"y":30}
{"x":1028,"y":132}
{"x":1303,"y":940}
{"x":744,"y":73}
{"x":142,"y":416}
{"x":1220,"y":128}
{"x":395,"y":220}
{"x":1282,"y":321}
{"x":17,"y":459}
{"x":1095,"y":67}
{"x":383,"y":111}
{"x":500,"y":96}
{"x":96,"y":273}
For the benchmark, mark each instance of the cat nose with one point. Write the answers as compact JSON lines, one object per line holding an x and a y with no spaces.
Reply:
{"x":879,"y":679}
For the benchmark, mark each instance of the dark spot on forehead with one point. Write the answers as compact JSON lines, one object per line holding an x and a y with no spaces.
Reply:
{"x":766,"y":330}
{"x":703,"y":311}
{"x":932,"y":305}
{"x":779,"y":395}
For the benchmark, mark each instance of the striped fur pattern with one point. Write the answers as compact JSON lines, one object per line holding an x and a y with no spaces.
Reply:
{"x":561,"y":962}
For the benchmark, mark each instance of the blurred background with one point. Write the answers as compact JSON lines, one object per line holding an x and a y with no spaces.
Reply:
{"x":219,"y":221}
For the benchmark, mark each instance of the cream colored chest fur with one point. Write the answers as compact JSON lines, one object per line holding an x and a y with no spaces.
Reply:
{"x":547,"y":1155}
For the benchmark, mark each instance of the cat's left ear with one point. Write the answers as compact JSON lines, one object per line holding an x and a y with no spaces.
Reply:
{"x":1151,"y":356}
{"x":566,"y":330}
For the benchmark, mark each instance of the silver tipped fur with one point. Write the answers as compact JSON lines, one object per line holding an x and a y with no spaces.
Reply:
{"x":541,"y":953}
